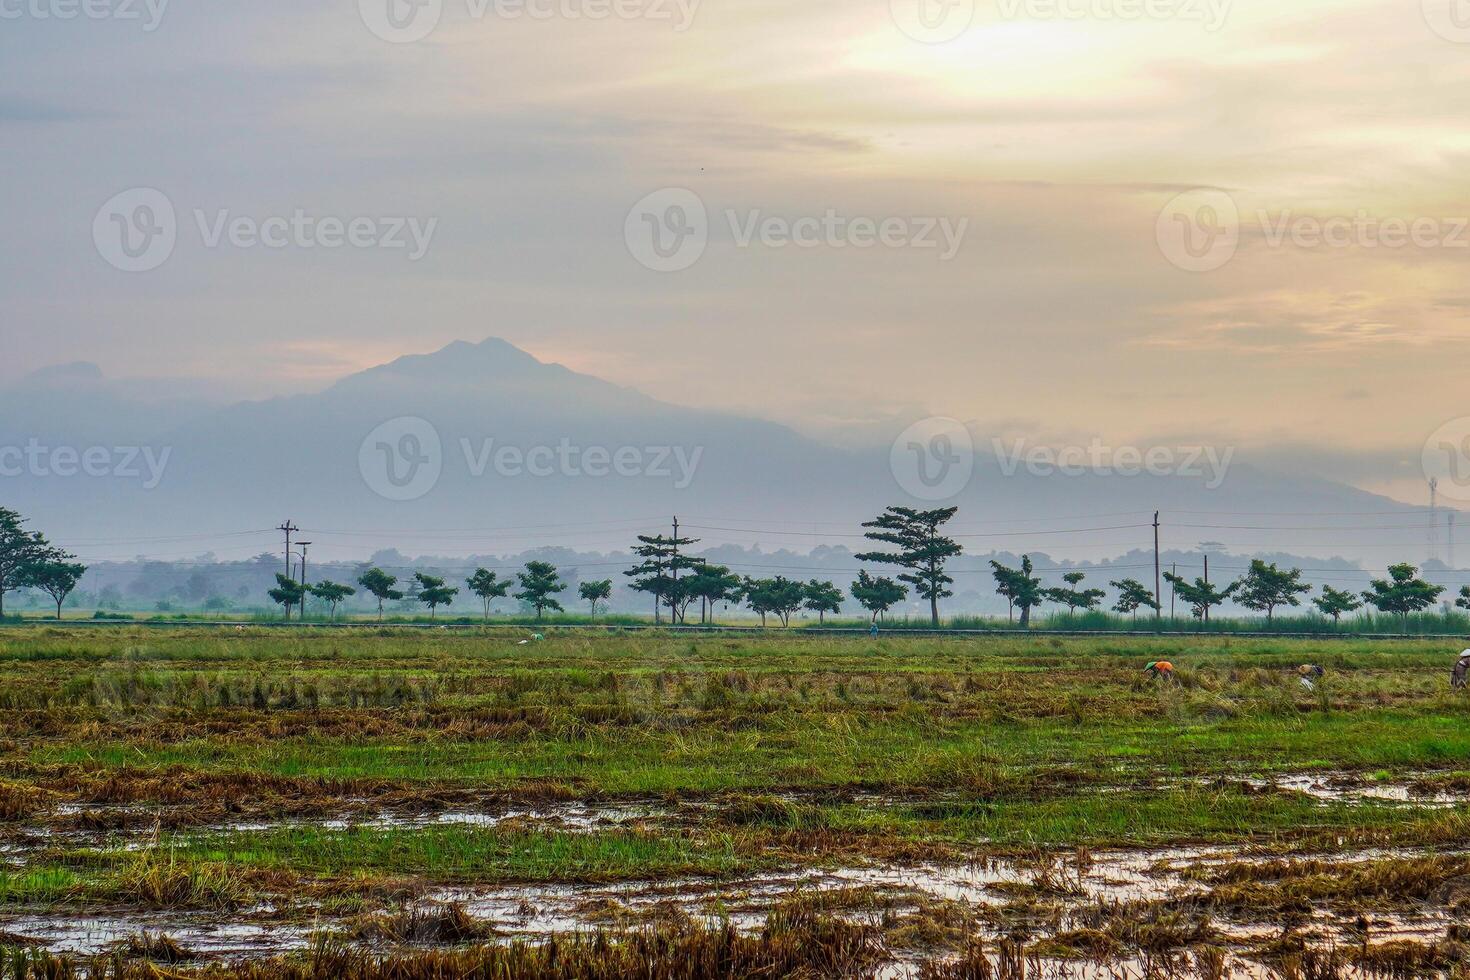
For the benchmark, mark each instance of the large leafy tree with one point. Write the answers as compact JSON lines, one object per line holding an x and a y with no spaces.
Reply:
{"x":780,"y":596}
{"x":594,"y":592}
{"x":1464,"y":598}
{"x":1073,"y":596}
{"x":55,"y":576}
{"x":287,"y":593}
{"x":381,"y":586}
{"x":432,"y":591}
{"x":488,"y":586}
{"x":1334,"y":602}
{"x":877,"y":594}
{"x":822,"y":598}
{"x":1199,"y":595}
{"x":1133,"y":595}
{"x":333,"y":594}
{"x":1403,"y":592}
{"x":19,"y":550}
{"x":539,"y":586}
{"x":713,"y":584}
{"x":922,"y":550}
{"x":1021,"y":588}
{"x":1265,"y":587}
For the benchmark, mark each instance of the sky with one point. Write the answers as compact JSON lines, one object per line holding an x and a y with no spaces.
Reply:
{"x":1242,"y":223}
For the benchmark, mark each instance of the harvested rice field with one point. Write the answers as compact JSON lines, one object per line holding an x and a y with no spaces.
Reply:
{"x":322,"y":802}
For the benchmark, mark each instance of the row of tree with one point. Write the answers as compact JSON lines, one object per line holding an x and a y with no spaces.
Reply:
{"x":539,"y":583}
{"x":676,"y":580}
{"x":29,"y":561}
{"x":1263,"y":588}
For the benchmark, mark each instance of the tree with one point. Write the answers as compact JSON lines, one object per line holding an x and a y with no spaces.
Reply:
{"x":380,"y":585}
{"x":1334,"y":602}
{"x":432,"y":591}
{"x":921,"y":549}
{"x":712,"y":584}
{"x":1020,"y":587}
{"x":1464,"y":600}
{"x":332,"y":594}
{"x":1074,"y":598}
{"x":594,"y":592}
{"x":288,"y":592}
{"x":1133,"y":595}
{"x":1265,"y":587}
{"x":877,"y":594}
{"x":55,"y":576}
{"x":778,"y":595}
{"x":19,"y":549}
{"x":1402,"y":592}
{"x":489,"y":587}
{"x":539,"y":585}
{"x":658,"y":573}
{"x":822,"y":598}
{"x":1200,"y":595}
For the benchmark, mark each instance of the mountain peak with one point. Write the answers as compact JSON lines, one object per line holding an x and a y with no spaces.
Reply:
{"x":462,"y":360}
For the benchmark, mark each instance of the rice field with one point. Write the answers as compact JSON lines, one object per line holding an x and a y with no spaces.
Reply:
{"x":468,"y":802}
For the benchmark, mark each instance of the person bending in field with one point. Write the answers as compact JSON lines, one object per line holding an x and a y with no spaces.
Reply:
{"x":1160,"y":668}
{"x":1310,"y":675}
{"x":1462,"y":667}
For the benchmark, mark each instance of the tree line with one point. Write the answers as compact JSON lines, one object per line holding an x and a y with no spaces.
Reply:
{"x":675,"y":581}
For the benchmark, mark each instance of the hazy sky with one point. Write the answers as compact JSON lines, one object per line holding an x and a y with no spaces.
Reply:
{"x":1052,"y":133}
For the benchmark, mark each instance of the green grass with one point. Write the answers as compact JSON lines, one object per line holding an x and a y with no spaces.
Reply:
{"x":458,"y":853}
{"x":1031,"y":739}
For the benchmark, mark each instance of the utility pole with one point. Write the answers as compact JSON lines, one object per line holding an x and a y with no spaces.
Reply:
{"x":303,"y":545}
{"x":674,"y":606}
{"x":1207,"y":587}
{"x":289,"y":530}
{"x":1158,"y":590}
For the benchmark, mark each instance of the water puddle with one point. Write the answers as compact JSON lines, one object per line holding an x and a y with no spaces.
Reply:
{"x":208,"y":937}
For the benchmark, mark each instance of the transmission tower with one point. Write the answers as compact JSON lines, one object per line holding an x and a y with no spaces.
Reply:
{"x":1433,"y":519}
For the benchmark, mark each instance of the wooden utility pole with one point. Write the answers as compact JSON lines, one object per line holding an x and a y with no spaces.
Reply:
{"x":289,"y":529}
{"x":1173,"y":570}
{"x":303,"y":545}
{"x":1207,"y":587}
{"x":674,"y":589}
{"x":1158,"y":590}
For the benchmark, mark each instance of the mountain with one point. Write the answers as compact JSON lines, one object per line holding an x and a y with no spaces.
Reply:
{"x":434,"y":452}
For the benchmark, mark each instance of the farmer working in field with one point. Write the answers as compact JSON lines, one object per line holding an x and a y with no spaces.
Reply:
{"x":1462,"y":667}
{"x":1310,"y":675}
{"x":1160,"y":668}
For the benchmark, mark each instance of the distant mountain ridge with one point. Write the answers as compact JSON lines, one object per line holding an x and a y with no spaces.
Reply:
{"x":591,"y":453}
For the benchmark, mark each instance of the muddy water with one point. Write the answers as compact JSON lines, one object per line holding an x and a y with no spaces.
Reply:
{"x":1070,"y":881}
{"x":573,"y":817}
{"x":208,"y":936}
{"x":1414,"y":790}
